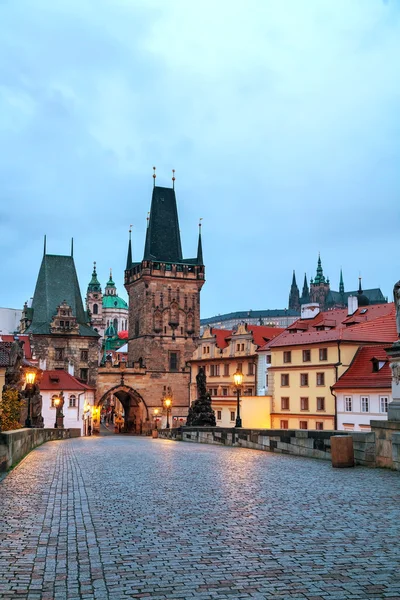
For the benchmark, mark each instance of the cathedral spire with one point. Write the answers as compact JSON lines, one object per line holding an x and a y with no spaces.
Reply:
{"x":319,"y":277}
{"x":94,"y":284}
{"x":200,"y":247}
{"x":305,"y":295}
{"x":294,"y":296}
{"x":341,"y":284}
{"x":163,"y":240}
{"x":129,"y":257}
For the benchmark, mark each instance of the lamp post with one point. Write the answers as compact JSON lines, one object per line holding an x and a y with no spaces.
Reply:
{"x":59,"y":403}
{"x":168,"y":404}
{"x":155,"y":413}
{"x":238,"y":380}
{"x":30,"y":377}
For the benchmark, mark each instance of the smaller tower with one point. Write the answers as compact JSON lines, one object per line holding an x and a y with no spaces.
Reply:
{"x":320,"y":287}
{"x":361,"y":297}
{"x":294,"y":296}
{"x":111,"y":289}
{"x":94,"y":302}
{"x":341,"y":284}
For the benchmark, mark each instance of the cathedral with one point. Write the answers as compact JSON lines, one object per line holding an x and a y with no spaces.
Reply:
{"x":108,"y":309}
{"x":320,"y":292}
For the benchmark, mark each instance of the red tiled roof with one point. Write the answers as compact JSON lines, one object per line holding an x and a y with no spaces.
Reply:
{"x":23,"y":338}
{"x":221,"y":337}
{"x":60,"y":381}
{"x":5,"y":354}
{"x":262,"y":333}
{"x":378,"y":325}
{"x":360,"y":373}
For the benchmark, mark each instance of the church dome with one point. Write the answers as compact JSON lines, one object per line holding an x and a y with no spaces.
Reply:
{"x":114,"y":302}
{"x":110,"y":331}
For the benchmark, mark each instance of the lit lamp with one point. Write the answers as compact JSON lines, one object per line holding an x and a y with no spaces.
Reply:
{"x":155,"y":412}
{"x":168,"y":404}
{"x":30,"y":377}
{"x":238,"y":381}
{"x":58,"y":402}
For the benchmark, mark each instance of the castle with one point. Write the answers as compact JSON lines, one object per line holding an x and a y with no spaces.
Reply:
{"x":320,"y":292}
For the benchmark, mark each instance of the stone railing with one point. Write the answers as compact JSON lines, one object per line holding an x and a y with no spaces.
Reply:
{"x":312,"y":444}
{"x":14,"y":445}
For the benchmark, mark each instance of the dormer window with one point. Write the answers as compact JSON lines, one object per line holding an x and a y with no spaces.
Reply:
{"x":377,"y":365}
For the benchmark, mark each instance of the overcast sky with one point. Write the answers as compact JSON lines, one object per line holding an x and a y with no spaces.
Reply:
{"x":281,"y":118}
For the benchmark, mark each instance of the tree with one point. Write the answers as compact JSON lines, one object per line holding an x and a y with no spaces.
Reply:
{"x":200,"y":413}
{"x":10,"y":406}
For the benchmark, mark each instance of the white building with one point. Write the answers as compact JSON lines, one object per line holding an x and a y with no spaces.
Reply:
{"x":9,"y":320}
{"x":78,"y":400}
{"x":364,"y":391}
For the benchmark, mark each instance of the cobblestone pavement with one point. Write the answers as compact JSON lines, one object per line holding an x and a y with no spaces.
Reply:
{"x":125,"y":517}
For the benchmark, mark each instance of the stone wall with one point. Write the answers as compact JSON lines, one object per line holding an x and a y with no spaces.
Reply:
{"x":14,"y":445}
{"x":387,"y":435}
{"x":312,"y":444}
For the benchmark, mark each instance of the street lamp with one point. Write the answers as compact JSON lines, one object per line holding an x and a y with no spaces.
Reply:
{"x":155,"y":413}
{"x":58,"y":402}
{"x":30,"y":377}
{"x":167,"y":404}
{"x":238,"y":380}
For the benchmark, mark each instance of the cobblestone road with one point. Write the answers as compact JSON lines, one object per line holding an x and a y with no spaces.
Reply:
{"x":125,"y":517}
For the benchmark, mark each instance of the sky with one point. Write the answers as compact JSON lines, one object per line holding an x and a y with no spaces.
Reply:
{"x":280,"y":117}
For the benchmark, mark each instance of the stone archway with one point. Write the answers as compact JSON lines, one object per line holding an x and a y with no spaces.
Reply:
{"x":136,"y":411}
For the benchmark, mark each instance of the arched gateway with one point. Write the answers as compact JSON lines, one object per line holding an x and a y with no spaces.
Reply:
{"x":135,"y":408}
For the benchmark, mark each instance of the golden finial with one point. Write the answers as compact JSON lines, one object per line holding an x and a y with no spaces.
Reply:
{"x":173,"y":179}
{"x":154,"y":177}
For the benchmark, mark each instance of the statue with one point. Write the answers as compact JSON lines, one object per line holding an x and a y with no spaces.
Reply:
{"x":13,"y":371}
{"x":36,"y":407}
{"x":201,"y":412}
{"x":396,"y":297}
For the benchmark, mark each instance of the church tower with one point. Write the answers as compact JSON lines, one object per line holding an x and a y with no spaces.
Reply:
{"x":305,"y":295}
{"x":94,"y":303}
{"x":319,"y":287}
{"x":294,"y":296}
{"x":164,"y":301}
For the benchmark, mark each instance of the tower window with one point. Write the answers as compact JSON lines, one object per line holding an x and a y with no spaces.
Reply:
{"x":59,"y":353}
{"x":95,"y":309}
{"x":173,"y":361}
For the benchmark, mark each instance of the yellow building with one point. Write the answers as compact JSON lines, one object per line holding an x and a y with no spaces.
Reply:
{"x":222,"y":352}
{"x":309,"y":357}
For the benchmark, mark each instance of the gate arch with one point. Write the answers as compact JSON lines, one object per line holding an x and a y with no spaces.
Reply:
{"x":135,"y":408}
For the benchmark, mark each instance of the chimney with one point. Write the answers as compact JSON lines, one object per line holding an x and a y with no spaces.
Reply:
{"x":309,"y":311}
{"x":352,"y":305}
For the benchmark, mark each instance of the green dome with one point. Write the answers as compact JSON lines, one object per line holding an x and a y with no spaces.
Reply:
{"x":110,"y":331}
{"x":114,"y":302}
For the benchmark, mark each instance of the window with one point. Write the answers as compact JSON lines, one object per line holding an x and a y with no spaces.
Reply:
{"x":320,"y":378}
{"x":95,"y":309}
{"x":61,"y":323}
{"x":84,"y":374}
{"x":137,"y":328}
{"x":84,"y":355}
{"x":319,"y":426}
{"x":239,"y":367}
{"x":303,"y":403}
{"x":219,"y":415}
{"x":59,"y":353}
{"x":323,"y":354}
{"x":242,"y":348}
{"x":237,"y":347}
{"x":303,"y":425}
{"x":285,"y":380}
{"x":348,"y":403}
{"x":214,"y":370}
{"x":215,"y":392}
{"x":284,"y":424}
{"x":287,"y":357}
{"x":248,"y":392}
{"x":232,"y":415}
{"x":226,"y":370}
{"x":173,"y":361}
{"x":250,"y":369}
{"x":364,"y":404}
{"x":284,"y":403}
{"x":268,"y":359}
{"x":383,"y":401}
{"x":115,"y":323}
{"x":72,"y":401}
{"x":66,"y":324}
{"x":320,"y":403}
{"x":306,"y":355}
{"x":304,"y":379}
{"x":224,"y":391}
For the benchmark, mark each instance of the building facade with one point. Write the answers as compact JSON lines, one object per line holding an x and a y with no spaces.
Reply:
{"x":59,"y":328}
{"x":311,"y":355}
{"x":364,"y":391}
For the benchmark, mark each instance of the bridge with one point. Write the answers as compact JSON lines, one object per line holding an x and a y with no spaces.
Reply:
{"x":131,"y":517}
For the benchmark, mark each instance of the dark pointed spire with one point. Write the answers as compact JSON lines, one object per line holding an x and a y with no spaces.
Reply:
{"x":305,"y":295}
{"x":129,"y":257}
{"x":72,"y":246}
{"x":163,"y":240}
{"x":294,"y":296}
{"x":173,"y":179}
{"x":200,"y":247}
{"x":341,"y":284}
{"x":360,"y":291}
{"x":319,"y":278}
{"x":154,"y":177}
{"x":44,"y":246}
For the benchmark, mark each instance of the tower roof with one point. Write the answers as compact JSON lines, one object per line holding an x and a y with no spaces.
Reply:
{"x":341,"y":284}
{"x":200,"y":249}
{"x":319,"y":277}
{"x":94,"y":284}
{"x":163,"y":240}
{"x":57,"y":282}
{"x":110,"y":282}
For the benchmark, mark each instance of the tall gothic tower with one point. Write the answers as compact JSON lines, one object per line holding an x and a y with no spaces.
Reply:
{"x":319,"y":287}
{"x":294,"y":296}
{"x":164,"y":298}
